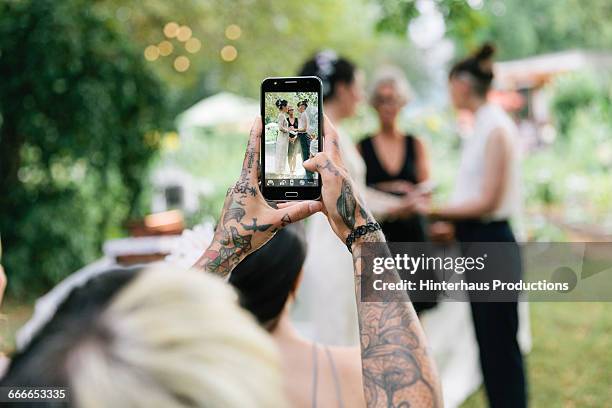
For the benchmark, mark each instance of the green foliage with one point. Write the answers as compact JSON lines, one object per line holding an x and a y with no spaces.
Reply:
{"x":76,"y":103}
{"x":271,"y":111}
{"x":577,"y":188}
{"x":463,"y":23}
{"x":573,"y":92}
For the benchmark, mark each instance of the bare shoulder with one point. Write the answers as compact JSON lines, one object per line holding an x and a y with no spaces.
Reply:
{"x":348,"y":364}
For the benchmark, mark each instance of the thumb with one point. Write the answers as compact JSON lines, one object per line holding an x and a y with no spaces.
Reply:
{"x":310,"y":164}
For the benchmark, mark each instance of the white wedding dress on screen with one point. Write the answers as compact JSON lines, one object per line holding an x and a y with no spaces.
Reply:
{"x":282,"y":146}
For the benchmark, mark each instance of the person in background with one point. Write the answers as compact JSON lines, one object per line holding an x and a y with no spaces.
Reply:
{"x":315,"y":374}
{"x":327,"y":298}
{"x":396,"y":162}
{"x":396,"y":367}
{"x":487,"y":194}
{"x":152,"y":338}
{"x":292,"y":122}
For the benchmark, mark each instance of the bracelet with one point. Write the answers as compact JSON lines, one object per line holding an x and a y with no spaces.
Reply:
{"x":360,"y":231}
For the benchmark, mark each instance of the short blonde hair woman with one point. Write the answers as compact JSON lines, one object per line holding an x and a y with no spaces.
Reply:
{"x":161,"y":338}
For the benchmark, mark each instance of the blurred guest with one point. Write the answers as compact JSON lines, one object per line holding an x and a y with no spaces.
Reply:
{"x":315,"y":374}
{"x":487,"y":194}
{"x":328,"y":297}
{"x":396,"y":162}
{"x":152,"y":338}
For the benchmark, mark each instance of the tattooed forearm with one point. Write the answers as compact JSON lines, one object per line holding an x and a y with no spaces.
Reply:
{"x":397,"y":371}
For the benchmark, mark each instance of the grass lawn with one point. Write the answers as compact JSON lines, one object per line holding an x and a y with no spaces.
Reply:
{"x":570,"y":364}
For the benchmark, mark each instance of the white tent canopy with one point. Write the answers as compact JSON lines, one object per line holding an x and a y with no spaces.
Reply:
{"x":221,"y":110}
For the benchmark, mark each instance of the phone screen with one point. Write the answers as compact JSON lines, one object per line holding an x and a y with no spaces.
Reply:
{"x":292,"y":115}
{"x":292,"y":137}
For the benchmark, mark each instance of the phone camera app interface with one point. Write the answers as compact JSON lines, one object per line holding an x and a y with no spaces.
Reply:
{"x":292,"y":127}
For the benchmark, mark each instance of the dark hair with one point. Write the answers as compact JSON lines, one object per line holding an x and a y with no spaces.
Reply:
{"x":44,"y":361}
{"x":480,"y":68}
{"x":281,"y":103}
{"x":331,"y":69}
{"x":267,"y":277}
{"x":303,"y":103}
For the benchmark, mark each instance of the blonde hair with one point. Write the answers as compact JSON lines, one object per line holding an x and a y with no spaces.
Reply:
{"x":391,"y":75}
{"x":173,"y":339}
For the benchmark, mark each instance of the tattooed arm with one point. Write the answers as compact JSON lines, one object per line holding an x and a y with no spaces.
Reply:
{"x":396,"y":368}
{"x":247,"y":220}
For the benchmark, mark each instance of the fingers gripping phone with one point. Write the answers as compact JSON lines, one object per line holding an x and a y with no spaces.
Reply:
{"x":292,"y":114}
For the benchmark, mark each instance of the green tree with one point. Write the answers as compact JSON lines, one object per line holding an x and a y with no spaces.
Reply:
{"x":79,"y":111}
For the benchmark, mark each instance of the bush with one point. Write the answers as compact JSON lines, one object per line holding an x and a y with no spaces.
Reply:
{"x":77,"y":104}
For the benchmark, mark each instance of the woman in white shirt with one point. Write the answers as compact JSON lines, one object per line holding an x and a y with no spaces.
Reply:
{"x":487,"y":194}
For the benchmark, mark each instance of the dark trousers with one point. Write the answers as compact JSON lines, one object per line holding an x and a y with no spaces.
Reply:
{"x":496,"y":327}
{"x":305,"y":144}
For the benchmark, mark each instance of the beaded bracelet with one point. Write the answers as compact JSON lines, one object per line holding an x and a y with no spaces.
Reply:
{"x":360,"y":231}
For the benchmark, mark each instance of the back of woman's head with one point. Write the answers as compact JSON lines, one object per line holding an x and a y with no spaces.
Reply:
{"x":477,"y":68}
{"x":281,"y":103}
{"x":266,"y":278}
{"x":331,"y":69}
{"x":157,"y":338}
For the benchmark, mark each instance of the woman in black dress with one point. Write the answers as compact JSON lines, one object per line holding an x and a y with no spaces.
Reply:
{"x":294,"y":145}
{"x":396,"y":162}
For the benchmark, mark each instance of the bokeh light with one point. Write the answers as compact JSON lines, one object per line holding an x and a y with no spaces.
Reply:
{"x":171,"y":29}
{"x":229,"y":53}
{"x":183,"y":33}
{"x":165,"y":48}
{"x":233,"y":32}
{"x":181,"y":64}
{"x":151,"y":53}
{"x":193,"y":45}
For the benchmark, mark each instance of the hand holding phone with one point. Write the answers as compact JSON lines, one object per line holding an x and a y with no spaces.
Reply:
{"x":341,"y":202}
{"x":286,"y":147}
{"x":247,"y":221}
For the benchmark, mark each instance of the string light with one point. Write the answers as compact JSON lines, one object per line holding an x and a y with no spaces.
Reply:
{"x":233,"y":32}
{"x":165,"y":48}
{"x":183,"y":33}
{"x":229,"y":53}
{"x":151,"y":53}
{"x":181,"y":64}
{"x":193,"y":45}
{"x":171,"y":29}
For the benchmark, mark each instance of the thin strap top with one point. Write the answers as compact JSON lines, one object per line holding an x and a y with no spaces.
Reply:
{"x":294,"y":124}
{"x":315,"y":375}
{"x":376,"y":173}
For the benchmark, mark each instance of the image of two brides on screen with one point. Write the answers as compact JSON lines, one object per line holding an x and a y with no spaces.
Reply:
{"x":296,"y":140}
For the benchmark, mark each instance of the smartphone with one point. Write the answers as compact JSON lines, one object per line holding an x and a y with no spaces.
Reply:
{"x":292,"y":114}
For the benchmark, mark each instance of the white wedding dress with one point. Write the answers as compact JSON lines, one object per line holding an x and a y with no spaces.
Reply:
{"x":282,"y":147}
